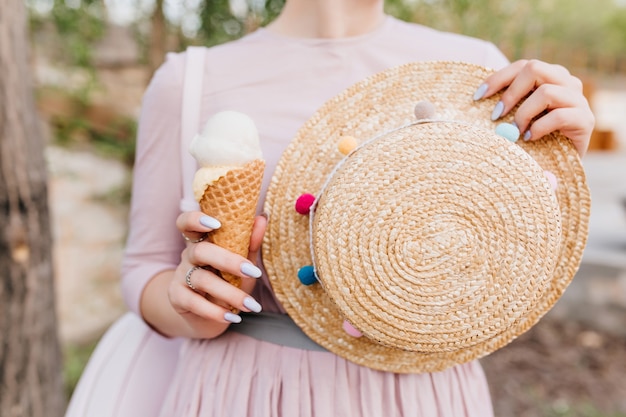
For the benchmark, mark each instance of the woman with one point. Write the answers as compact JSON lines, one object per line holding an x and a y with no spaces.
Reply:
{"x":279,"y":76}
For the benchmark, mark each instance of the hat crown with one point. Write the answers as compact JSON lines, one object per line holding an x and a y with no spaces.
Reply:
{"x":420,"y":236}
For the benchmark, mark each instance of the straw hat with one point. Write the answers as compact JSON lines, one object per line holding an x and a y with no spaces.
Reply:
{"x":434,"y":242}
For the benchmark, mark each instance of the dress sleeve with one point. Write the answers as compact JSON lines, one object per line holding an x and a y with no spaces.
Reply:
{"x":494,"y":58}
{"x":154,"y":243}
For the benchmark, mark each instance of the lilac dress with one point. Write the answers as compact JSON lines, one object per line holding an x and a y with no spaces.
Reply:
{"x":279,"y":82}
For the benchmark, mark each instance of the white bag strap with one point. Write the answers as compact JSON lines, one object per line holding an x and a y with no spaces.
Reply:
{"x":190,"y":120}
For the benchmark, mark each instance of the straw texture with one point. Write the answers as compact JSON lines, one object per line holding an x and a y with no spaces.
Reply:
{"x":441,"y":241}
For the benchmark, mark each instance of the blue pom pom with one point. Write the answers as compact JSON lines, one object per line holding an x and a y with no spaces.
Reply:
{"x":306,"y":275}
{"x":508,"y":131}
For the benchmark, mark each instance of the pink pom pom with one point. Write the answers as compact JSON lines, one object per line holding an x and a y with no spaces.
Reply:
{"x":552,"y":179}
{"x":304,"y":203}
{"x":350,"y":329}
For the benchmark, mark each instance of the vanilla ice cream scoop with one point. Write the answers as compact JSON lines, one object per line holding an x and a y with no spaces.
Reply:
{"x":228,"y":141}
{"x":228,"y":138}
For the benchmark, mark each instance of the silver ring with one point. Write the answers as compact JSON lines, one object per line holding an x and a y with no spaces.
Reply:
{"x":200,"y":239}
{"x":188,"y":277}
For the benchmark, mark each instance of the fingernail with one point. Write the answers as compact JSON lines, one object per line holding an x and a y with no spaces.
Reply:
{"x":231,"y":317}
{"x":252,"y":305}
{"x":250,"y":270}
{"x":480,"y":92}
{"x":210,"y":222}
{"x":266,"y":215}
{"x":527,"y":135}
{"x":497,"y":111}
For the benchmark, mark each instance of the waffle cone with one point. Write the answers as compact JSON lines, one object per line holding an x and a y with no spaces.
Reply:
{"x":232,"y":199}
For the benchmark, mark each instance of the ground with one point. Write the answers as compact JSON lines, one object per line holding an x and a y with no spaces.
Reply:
{"x":559,"y":368}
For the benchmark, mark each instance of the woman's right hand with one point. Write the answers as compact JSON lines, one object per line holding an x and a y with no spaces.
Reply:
{"x":206,"y":308}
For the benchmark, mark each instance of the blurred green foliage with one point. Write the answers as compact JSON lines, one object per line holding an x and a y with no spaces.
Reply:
{"x":75,"y":356}
{"x":79,"y":23}
{"x":577,"y":410}
{"x":114,"y":141}
{"x":533,"y":28}
{"x":582,"y":34}
{"x":75,"y":121}
{"x":220,"y":24}
{"x":553,"y":30}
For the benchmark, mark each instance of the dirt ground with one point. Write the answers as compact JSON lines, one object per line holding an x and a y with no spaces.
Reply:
{"x":559,"y":369}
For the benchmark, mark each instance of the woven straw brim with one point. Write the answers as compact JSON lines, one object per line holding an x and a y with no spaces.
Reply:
{"x":381,"y":104}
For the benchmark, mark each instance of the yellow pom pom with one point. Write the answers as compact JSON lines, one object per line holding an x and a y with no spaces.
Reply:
{"x":347,"y":144}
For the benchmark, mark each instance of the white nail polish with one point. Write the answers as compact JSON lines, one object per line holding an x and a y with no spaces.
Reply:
{"x":210,"y":222}
{"x":232,"y":318}
{"x":250,"y":270}
{"x":252,"y":305}
{"x":480,"y":93}
{"x":497,"y":111}
{"x":527,"y":135}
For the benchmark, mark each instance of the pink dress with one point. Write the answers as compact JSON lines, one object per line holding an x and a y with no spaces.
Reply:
{"x":279,"y":82}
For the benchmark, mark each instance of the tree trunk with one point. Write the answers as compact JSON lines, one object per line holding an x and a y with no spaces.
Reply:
{"x":30,"y":361}
{"x":158,"y":38}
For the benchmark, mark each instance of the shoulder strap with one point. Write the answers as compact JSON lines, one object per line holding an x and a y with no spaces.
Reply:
{"x":190,"y":120}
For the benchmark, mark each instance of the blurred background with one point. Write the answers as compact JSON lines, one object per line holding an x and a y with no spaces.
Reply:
{"x":93,"y":59}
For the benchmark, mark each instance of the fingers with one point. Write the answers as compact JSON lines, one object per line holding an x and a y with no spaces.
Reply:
{"x":204,"y":294}
{"x":221,"y":259}
{"x":207,"y":282}
{"x":197,"y":292}
{"x":194,"y":225}
{"x":499,"y":80}
{"x":258,"y":231}
{"x":554,"y":101}
{"x":188,"y":303}
{"x":561,"y":120}
{"x":546,"y":98}
{"x":219,"y":294}
{"x":523,"y":77}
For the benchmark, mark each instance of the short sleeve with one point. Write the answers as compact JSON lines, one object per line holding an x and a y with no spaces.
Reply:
{"x":154,"y":243}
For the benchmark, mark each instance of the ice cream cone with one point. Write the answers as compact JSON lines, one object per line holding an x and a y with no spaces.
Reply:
{"x":232,"y":199}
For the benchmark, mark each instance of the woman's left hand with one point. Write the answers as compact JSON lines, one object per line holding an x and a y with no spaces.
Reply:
{"x":556,"y":100}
